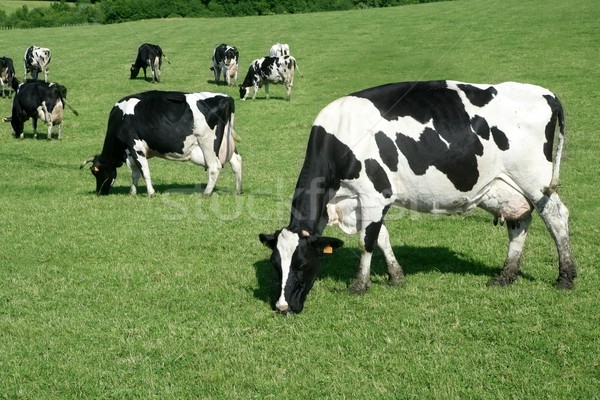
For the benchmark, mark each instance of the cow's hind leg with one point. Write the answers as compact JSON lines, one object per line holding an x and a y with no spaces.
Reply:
{"x":517,"y":233}
{"x":236,"y":166}
{"x":556,"y":217}
{"x":395,"y":273}
{"x":34,"y":123}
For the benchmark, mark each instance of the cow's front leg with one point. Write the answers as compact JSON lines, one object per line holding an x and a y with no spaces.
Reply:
{"x":395,"y":273}
{"x":517,"y":233}
{"x":139,"y":165}
{"x":267,"y":89}
{"x":368,"y":237}
{"x":135,"y":175}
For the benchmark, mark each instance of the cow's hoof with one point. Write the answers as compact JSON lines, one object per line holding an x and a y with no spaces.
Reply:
{"x":395,"y":280}
{"x":564,"y":283}
{"x":358,"y":287}
{"x":501,"y":280}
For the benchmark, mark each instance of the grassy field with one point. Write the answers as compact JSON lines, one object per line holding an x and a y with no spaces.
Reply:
{"x":128,"y":297}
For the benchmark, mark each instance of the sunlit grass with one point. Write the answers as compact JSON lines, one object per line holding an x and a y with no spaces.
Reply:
{"x":169,"y":297}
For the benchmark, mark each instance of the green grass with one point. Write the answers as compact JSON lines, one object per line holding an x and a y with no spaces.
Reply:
{"x":168,"y":298}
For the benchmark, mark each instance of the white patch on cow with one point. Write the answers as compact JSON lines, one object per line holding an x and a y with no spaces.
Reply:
{"x":128,"y":106}
{"x":287,"y":243}
{"x":343,"y":211}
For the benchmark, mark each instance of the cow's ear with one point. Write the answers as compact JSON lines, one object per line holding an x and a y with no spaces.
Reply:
{"x":328,"y":244}
{"x":268,"y":240}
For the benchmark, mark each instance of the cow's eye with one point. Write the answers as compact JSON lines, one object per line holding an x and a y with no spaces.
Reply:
{"x":302,"y":266}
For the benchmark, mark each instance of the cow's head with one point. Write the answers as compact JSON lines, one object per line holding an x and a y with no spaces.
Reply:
{"x":134,"y":71}
{"x":105,"y":174}
{"x":244,"y":91}
{"x":17,"y":122}
{"x":295,"y":258}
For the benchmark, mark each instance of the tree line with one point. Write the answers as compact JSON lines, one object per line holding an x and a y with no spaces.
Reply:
{"x":113,"y":11}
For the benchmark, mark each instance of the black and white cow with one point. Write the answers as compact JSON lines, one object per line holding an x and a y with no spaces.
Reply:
{"x":440,"y":147}
{"x":7,"y":75}
{"x":279,"y":49}
{"x":148,"y":55}
{"x":196,"y":127}
{"x":225,"y":61}
{"x":269,"y":69}
{"x":38,"y":100}
{"x":37,"y":60}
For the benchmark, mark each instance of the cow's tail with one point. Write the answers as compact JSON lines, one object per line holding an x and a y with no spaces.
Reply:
{"x":230,"y":133}
{"x":297,"y":69}
{"x":560,"y":115}
{"x":74,"y":111}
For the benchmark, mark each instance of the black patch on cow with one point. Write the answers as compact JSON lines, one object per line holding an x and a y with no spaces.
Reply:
{"x":387,"y":151}
{"x":328,"y":161}
{"x":162,"y":119}
{"x":451,"y":146}
{"x":557,"y":114}
{"x":371,"y":234}
{"x":216,"y":111}
{"x":478,"y":97}
{"x":480,"y":127}
{"x":378,"y":177}
{"x":500,"y":138}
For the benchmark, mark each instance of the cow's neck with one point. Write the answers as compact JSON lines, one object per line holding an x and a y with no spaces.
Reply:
{"x":113,"y":151}
{"x":315,"y":188}
{"x":327,"y":162}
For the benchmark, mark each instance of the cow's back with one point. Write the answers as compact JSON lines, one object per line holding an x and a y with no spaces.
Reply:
{"x":433,"y":140}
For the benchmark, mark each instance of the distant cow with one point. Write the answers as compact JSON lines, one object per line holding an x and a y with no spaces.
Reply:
{"x":225,"y":61}
{"x":279,"y":49}
{"x":38,"y":100}
{"x":7,"y":75}
{"x":149,"y":55}
{"x":196,"y":127}
{"x":37,"y":60}
{"x":269,"y":69}
{"x":441,"y":147}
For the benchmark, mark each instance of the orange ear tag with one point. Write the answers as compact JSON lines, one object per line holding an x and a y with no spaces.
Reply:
{"x":96,"y":169}
{"x":328,"y":249}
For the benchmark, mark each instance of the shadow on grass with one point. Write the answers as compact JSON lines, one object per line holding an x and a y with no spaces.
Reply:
{"x":343,"y":265}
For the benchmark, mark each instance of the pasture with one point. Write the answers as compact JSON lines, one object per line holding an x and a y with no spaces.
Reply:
{"x":169,"y":297}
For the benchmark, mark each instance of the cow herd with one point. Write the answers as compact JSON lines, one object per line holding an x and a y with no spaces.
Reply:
{"x":441,"y":147}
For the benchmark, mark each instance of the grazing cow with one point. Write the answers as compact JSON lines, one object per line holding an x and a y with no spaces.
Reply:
{"x":269,"y":69}
{"x":7,"y":75}
{"x":38,"y":100}
{"x":37,"y":60}
{"x":440,"y":147}
{"x":149,"y":55}
{"x":177,"y":126}
{"x":225,"y":61}
{"x":279,"y":49}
